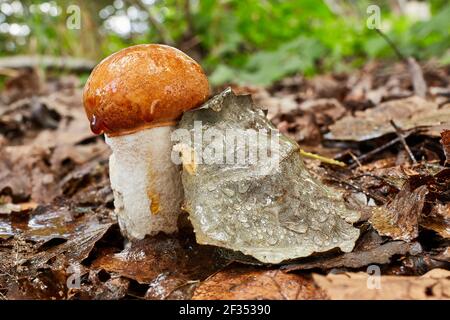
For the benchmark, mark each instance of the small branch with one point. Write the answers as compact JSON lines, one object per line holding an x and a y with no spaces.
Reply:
{"x":189,"y":20}
{"x":392,"y":45}
{"x":322,"y":158}
{"x":415,"y":71}
{"x":355,"y":158}
{"x":373,"y":152}
{"x":371,"y":175}
{"x":357,"y":188}
{"x":34,"y":61}
{"x":401,"y":136}
{"x":160,"y":29}
{"x":419,"y":84}
{"x":9,"y":72}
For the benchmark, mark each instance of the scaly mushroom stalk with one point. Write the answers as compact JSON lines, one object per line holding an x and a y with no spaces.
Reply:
{"x":136,"y":97}
{"x":147,"y":194}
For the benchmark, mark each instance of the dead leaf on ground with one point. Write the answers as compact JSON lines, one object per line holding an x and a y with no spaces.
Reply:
{"x":399,"y":218}
{"x":114,"y":288}
{"x":380,"y":254}
{"x":445,"y":135}
{"x":356,"y":286}
{"x":146,"y":259}
{"x":25,"y":174}
{"x":407,"y":113}
{"x":47,"y":285}
{"x":326,"y":111}
{"x":76,"y":249}
{"x":438,"y":220}
{"x":248,"y":283}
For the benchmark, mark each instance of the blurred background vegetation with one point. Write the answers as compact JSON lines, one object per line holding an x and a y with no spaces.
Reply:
{"x":251,"y":41}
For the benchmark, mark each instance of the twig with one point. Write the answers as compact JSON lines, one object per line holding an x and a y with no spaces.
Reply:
{"x":371,"y":153}
{"x":33,"y":61}
{"x":419,"y":84}
{"x":401,"y":136}
{"x":9,"y":72}
{"x":376,"y":178}
{"x":355,"y":158}
{"x":162,"y":31}
{"x":189,"y":20}
{"x":415,"y":71}
{"x":322,"y":158}
{"x":392,"y":45}
{"x":358,"y":188}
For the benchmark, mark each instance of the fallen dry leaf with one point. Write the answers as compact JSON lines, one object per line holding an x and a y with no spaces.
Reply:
{"x":381,"y":254}
{"x":361,"y":286}
{"x":438,"y":220}
{"x":24,"y":173}
{"x":248,"y":283}
{"x":114,"y":288}
{"x":407,"y":113}
{"x":399,"y":218}
{"x":445,"y":135}
{"x":326,"y":111}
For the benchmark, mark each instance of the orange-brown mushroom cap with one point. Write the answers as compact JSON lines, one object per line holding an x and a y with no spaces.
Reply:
{"x":141,"y":87}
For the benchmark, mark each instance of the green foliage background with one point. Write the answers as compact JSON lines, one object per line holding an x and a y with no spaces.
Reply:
{"x":252,"y":41}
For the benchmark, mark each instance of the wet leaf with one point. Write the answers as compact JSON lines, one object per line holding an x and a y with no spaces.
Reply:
{"x":399,"y":218}
{"x":378,"y":254}
{"x":438,"y":220}
{"x":77,"y":247}
{"x":148,"y":260}
{"x":47,"y":285}
{"x":114,"y":288}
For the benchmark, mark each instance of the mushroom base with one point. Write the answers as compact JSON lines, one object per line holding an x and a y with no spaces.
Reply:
{"x":146,"y":183}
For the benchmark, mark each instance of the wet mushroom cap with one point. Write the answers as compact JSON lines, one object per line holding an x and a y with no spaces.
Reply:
{"x":141,"y":87}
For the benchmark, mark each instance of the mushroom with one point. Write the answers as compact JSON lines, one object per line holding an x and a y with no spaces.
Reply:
{"x":135,"y":97}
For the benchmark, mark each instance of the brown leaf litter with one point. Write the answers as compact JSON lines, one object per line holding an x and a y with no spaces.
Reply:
{"x":355,"y":286}
{"x":249,"y":283}
{"x":56,"y":209}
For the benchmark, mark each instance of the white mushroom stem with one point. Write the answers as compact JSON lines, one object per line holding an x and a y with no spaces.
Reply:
{"x":146,"y":183}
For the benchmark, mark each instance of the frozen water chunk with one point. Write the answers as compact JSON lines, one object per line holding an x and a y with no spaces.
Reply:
{"x":269,"y":206}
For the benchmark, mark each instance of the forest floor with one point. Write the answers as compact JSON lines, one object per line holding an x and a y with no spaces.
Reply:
{"x":59,"y":238}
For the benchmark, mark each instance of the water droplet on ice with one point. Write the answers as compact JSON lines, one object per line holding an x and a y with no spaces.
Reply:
{"x":228,"y":192}
{"x":301,"y":228}
{"x":243,"y":187}
{"x":242,"y":218}
{"x":318,"y":240}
